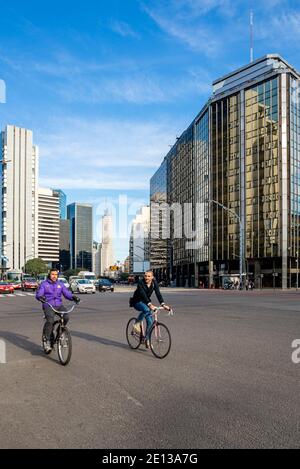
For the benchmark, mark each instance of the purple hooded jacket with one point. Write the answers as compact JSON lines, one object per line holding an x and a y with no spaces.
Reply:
{"x":53,"y":292}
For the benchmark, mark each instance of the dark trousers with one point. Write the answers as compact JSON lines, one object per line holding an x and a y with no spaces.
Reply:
{"x":50,"y":318}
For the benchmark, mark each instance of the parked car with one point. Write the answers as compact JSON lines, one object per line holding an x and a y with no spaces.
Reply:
{"x":105,"y":285}
{"x":30,"y":284}
{"x":6,"y":287}
{"x":83,"y":286}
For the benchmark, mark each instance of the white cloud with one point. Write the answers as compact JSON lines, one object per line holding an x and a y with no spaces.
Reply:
{"x":103,"y":154}
{"x":123,"y":29}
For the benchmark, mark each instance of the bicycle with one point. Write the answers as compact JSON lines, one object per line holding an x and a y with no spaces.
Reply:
{"x":60,"y":336}
{"x":159,"y":336}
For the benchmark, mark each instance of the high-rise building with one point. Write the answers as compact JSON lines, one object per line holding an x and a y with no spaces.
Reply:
{"x":18,"y":197}
{"x":81,"y":235}
{"x":234,"y":175}
{"x":62,"y":198}
{"x":160,"y":224}
{"x":48,"y":226}
{"x":97,"y":247}
{"x":64,"y":244}
{"x":107,"y":254}
{"x":139,"y":251}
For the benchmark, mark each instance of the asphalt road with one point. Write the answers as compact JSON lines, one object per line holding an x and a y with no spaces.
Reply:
{"x":228,"y":382}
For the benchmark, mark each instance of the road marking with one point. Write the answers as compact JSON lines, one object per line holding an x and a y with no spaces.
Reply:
{"x":20,"y":294}
{"x":30,"y":294}
{"x":11,"y":295}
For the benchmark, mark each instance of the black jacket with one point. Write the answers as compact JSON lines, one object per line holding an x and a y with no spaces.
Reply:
{"x":143,"y":293}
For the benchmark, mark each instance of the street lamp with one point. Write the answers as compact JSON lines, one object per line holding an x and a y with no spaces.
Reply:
{"x":241,"y":256}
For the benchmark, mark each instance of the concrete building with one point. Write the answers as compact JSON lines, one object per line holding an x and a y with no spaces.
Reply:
{"x":107,"y":254}
{"x":48,"y":226}
{"x":234,"y":174}
{"x":81,"y":235}
{"x":18,"y":197}
{"x":139,"y":246}
{"x":97,"y":249}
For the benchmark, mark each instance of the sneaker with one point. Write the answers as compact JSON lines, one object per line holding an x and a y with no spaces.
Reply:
{"x":147,"y":343}
{"x":47,"y":346}
{"x":137,"y":328}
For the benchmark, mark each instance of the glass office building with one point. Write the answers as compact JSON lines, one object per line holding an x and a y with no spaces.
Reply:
{"x":160,"y":234}
{"x":81,"y":235}
{"x":238,"y":163}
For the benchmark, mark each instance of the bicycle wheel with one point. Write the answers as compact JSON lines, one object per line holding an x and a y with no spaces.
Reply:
{"x":133,"y":338}
{"x":64,"y":346}
{"x":160,"y":340}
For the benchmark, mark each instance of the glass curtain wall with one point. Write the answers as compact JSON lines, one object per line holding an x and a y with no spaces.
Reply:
{"x":261,"y":168}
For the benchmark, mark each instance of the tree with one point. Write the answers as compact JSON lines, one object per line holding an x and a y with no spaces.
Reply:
{"x":71,"y":272}
{"x":36,"y":266}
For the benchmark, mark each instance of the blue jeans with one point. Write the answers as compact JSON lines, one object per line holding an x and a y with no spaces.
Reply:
{"x":145,"y":313}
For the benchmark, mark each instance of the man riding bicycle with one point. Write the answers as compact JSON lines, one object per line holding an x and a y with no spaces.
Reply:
{"x":141,"y":301}
{"x":51,"y":291}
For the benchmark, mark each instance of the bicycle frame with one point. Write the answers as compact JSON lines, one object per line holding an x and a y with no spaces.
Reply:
{"x":155,"y":321}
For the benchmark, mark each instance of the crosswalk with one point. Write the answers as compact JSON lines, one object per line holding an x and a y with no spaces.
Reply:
{"x":14,"y":295}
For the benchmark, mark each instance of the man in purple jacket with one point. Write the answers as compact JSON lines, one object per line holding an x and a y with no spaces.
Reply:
{"x":51,"y":291}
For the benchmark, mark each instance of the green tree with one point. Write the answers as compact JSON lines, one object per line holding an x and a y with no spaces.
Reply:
{"x":71,"y":272}
{"x":35,"y":267}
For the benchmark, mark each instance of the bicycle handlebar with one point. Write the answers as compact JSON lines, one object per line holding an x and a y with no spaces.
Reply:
{"x":170,"y":313}
{"x":60,"y":312}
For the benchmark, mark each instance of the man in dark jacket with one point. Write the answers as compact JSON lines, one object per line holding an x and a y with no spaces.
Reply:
{"x":142,"y":302}
{"x":51,"y":291}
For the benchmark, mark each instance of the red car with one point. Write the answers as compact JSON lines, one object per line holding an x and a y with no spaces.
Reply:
{"x":6,"y":287}
{"x":29,"y":284}
{"x":16,"y":285}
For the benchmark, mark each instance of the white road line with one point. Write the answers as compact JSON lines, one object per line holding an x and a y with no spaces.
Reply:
{"x":20,"y":294}
{"x":11,"y":295}
{"x":30,"y":294}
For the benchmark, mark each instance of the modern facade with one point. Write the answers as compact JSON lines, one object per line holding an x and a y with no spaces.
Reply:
{"x":64,"y":245}
{"x":62,"y":198}
{"x":48,"y":226}
{"x":18,"y":197}
{"x":234,"y":174}
{"x":139,"y":246}
{"x":97,"y":248}
{"x":159,"y":242}
{"x":81,"y":235}
{"x":107,"y":253}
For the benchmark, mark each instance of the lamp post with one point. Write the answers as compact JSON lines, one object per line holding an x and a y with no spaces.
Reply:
{"x":241,"y":237}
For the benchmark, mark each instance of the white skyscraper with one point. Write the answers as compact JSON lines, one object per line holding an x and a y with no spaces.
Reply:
{"x":97,"y":258}
{"x":107,"y":255}
{"x":48,"y":226}
{"x":139,"y":246}
{"x":18,"y":197}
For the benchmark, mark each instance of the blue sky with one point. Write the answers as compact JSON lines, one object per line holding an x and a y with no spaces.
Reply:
{"x":107,"y":85}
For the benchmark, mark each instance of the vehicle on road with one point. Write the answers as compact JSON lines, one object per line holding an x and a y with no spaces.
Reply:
{"x":159,"y":336}
{"x":61,"y":337}
{"x":41,"y":278}
{"x":83,"y":286}
{"x":6,"y":287}
{"x":87,"y":275}
{"x":105,"y":285}
{"x":16,"y":285}
{"x":30,"y":284}
{"x":65,"y":281}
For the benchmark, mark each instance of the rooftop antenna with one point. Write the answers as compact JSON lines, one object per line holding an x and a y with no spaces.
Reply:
{"x":251,"y":36}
